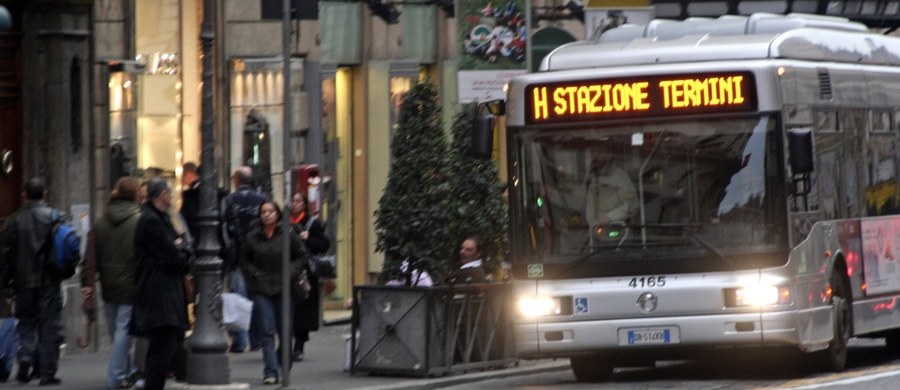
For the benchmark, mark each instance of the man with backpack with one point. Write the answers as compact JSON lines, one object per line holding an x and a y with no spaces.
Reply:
{"x":239,"y":210}
{"x":29,"y":265}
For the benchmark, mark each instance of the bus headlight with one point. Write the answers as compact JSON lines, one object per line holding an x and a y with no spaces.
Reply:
{"x":761,"y":295}
{"x":538,"y":306}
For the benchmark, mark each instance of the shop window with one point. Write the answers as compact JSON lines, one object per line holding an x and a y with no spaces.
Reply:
{"x":399,"y":87}
{"x":257,"y":118}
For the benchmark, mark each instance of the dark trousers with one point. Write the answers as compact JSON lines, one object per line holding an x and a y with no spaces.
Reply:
{"x":39,"y":311}
{"x":162,"y":344}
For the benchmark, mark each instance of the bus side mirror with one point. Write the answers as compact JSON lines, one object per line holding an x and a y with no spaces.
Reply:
{"x":482,"y":137}
{"x":801,"y":149}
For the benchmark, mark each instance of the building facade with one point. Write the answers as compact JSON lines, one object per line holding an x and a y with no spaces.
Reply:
{"x":92,"y":90}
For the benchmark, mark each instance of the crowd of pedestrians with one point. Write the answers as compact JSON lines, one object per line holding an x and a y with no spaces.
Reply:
{"x":140,"y":253}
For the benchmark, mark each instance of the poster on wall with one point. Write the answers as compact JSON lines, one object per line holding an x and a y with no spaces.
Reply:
{"x":599,"y":20}
{"x":492,"y":44}
{"x":881,"y":255}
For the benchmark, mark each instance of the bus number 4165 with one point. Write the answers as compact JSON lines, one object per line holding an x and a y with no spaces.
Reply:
{"x":647,"y":281}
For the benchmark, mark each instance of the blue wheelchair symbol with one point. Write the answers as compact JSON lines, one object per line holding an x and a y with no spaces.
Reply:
{"x":581,"y":305}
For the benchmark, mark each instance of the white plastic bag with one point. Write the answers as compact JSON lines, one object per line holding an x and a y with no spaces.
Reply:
{"x":236,"y":311}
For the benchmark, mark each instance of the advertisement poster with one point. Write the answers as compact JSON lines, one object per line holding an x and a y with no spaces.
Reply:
{"x":598,"y":20}
{"x":493,"y":46}
{"x":880,"y":254}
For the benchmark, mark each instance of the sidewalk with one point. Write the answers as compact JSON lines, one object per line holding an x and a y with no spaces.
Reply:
{"x":322,"y":368}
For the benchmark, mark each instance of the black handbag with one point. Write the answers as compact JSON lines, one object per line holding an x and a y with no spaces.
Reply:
{"x":323,"y":266}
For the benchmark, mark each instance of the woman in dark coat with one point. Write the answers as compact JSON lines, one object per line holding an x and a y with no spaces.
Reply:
{"x":160,"y":308}
{"x":260,"y":260}
{"x":306,"y":313}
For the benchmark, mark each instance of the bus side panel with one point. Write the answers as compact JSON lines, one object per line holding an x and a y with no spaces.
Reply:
{"x":813,"y":316}
{"x":877,"y":307}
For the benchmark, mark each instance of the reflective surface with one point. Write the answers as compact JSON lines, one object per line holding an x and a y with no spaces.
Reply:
{"x":662,"y":190}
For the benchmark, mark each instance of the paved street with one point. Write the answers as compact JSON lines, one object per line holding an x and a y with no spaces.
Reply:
{"x":323,"y":368}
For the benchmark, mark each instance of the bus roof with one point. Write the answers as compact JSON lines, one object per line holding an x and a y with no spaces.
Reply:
{"x":759,"y":36}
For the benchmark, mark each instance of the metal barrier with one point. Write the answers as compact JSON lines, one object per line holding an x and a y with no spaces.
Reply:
{"x":430,"y":331}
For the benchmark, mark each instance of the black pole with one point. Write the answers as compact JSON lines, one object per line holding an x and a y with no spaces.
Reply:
{"x":286,"y":317}
{"x":208,"y":363}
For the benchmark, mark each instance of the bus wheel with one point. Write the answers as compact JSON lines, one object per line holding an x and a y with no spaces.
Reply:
{"x":591,"y":369}
{"x":834,"y":358}
{"x":892,"y":341}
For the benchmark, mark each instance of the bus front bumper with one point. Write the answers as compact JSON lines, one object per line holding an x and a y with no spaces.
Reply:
{"x":662,"y":334}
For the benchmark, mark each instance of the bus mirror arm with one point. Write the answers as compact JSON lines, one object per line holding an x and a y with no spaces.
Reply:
{"x":482,"y":132}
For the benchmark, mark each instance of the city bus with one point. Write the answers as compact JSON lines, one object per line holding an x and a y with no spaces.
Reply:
{"x":708,"y":185}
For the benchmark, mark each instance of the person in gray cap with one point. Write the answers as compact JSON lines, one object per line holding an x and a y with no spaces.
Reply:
{"x":161,"y":262}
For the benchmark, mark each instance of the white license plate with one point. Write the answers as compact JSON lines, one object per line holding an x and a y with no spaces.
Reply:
{"x":649,"y":336}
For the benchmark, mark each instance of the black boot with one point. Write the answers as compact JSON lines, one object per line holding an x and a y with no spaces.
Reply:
{"x":298,"y":351}
{"x":24,"y":376}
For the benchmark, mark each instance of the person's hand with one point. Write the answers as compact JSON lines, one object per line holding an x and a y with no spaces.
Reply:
{"x":87,"y":292}
{"x":304,"y":235}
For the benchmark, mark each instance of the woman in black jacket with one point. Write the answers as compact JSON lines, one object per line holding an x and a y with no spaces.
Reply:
{"x":306,"y":313}
{"x":260,"y":261}
{"x":160,"y":308}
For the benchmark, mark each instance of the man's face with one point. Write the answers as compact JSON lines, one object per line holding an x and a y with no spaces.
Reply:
{"x":189,"y":178}
{"x":163,"y":201}
{"x":468,"y":251}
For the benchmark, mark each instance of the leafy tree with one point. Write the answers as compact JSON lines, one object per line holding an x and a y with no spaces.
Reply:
{"x":477,"y":201}
{"x":412,"y":218}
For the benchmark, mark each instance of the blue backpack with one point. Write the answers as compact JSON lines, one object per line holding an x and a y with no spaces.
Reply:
{"x":65,"y":249}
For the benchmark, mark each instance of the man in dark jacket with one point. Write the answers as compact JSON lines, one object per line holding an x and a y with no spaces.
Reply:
{"x":160,"y":307}
{"x":25,"y":250}
{"x":240,"y":210}
{"x":111,"y":253}
{"x":471,"y":269}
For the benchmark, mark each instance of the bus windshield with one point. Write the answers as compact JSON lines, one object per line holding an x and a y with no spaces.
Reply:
{"x":681,"y":189}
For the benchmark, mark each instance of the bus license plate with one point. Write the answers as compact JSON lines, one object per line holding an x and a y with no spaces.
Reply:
{"x":649,"y":336}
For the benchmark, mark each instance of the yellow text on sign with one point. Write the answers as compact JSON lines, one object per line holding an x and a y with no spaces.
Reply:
{"x":586,"y":99}
{"x":714,"y":91}
{"x":673,"y":94}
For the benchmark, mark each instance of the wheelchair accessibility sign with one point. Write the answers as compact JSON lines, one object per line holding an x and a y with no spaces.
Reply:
{"x":581,"y":305}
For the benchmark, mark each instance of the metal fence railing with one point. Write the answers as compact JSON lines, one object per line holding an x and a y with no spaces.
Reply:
{"x":430,"y":331}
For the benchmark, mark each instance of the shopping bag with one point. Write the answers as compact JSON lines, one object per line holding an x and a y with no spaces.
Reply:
{"x":236,"y":312}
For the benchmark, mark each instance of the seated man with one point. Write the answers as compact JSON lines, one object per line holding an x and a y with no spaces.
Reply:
{"x":471,"y":268}
{"x":610,"y":196}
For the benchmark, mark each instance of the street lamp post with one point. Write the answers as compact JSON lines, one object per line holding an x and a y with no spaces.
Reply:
{"x":208,"y":363}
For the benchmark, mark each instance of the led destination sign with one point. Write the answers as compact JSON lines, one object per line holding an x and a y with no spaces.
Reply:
{"x":649,"y":96}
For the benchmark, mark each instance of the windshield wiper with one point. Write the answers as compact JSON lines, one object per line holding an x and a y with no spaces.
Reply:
{"x":614,"y":247}
{"x":686,"y":228}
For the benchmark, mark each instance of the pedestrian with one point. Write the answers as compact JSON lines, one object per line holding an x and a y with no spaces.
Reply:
{"x":311,"y":232}
{"x":190,"y":198}
{"x":240,"y":209}
{"x":25,"y":248}
{"x":162,"y":260}
{"x":140,"y":342}
{"x":111,"y":254}
{"x":261,"y":257}
{"x":471,"y":268}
